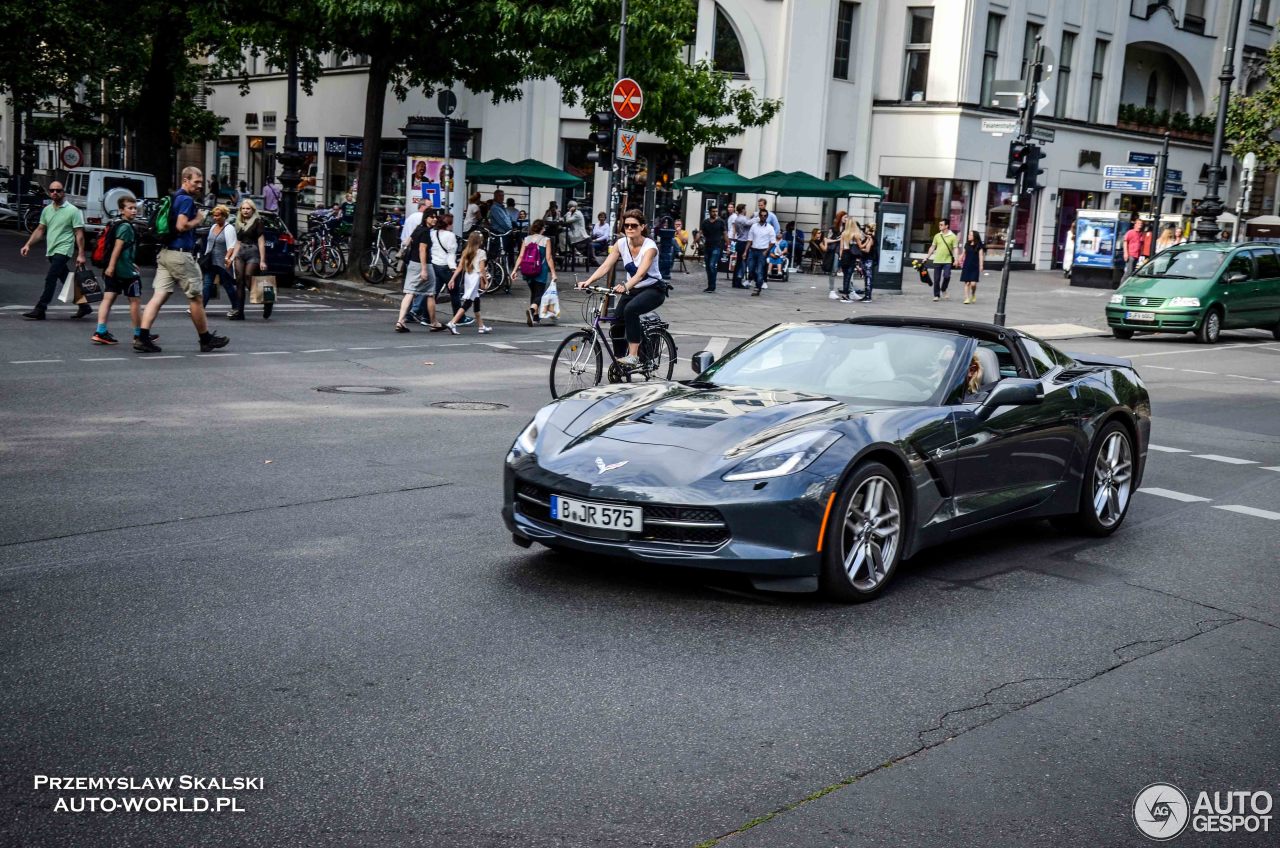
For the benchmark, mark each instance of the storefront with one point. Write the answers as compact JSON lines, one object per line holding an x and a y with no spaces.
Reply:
{"x":392,"y":176}
{"x":341,"y":168}
{"x":262,"y":161}
{"x":310,"y":148}
{"x":930,"y":201}
{"x":226,"y":167}
{"x":999,"y":206}
{"x":1071,"y":201}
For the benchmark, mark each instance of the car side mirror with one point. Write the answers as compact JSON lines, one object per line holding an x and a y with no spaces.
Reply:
{"x":1011,"y":391}
{"x":702,"y":361}
{"x":1236,"y":277}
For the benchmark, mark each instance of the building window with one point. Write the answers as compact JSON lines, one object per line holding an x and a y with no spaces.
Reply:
{"x":919,"y":36}
{"x":1029,"y":47}
{"x":1063,"y":73}
{"x":844,"y":40}
{"x":1193,"y":17}
{"x":990,"y":56}
{"x":1261,"y":12}
{"x":1153,"y":89}
{"x":1095,"y":85}
{"x":726,"y":52}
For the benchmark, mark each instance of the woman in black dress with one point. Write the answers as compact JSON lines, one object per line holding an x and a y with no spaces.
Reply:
{"x":974,"y":265}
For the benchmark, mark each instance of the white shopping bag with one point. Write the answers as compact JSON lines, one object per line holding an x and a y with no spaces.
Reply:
{"x":550,"y":306}
{"x":68,"y":293}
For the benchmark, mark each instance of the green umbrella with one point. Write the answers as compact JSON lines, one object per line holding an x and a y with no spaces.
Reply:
{"x":535,"y":174}
{"x":797,"y":184}
{"x":719,"y":180}
{"x":857,"y":187}
{"x":492,"y":172}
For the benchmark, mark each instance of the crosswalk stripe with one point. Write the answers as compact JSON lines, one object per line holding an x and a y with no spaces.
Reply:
{"x":1172,"y":495}
{"x":1164,"y":449}
{"x":1249,"y":510}
{"x":716,"y":346}
{"x":1229,"y":460}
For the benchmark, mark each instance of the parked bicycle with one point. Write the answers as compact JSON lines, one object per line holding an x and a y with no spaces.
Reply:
{"x":321,"y":251}
{"x":498,"y":263}
{"x":382,"y":260}
{"x":579,"y":360}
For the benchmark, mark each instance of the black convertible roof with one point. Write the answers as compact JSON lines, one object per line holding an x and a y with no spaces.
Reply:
{"x":977,"y":329}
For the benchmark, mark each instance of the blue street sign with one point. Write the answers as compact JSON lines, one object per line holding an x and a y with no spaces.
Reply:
{"x":1129,"y":172}
{"x":1173,"y":188}
{"x":1127,"y":186}
{"x":1171,"y":174}
{"x":1136,"y":158}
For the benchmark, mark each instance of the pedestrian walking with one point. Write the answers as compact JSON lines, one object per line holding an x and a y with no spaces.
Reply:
{"x":418,"y":278}
{"x":1168,"y":237}
{"x":740,"y":223}
{"x":250,"y":254}
{"x":472,"y":267}
{"x":1133,"y":247}
{"x":176,"y":268}
{"x":62,"y":227}
{"x":218,"y":260}
{"x":471,"y":217}
{"x":1069,"y":252}
{"x":761,"y":238}
{"x":715,"y":240}
{"x":575,"y":225}
{"x":944,"y":250}
{"x":866,"y":241}
{"x":443,"y":255}
{"x":642,"y":291}
{"x":666,"y":237}
{"x":121,"y":276}
{"x":271,"y":194}
{"x":974,"y":265}
{"x":537,"y":265}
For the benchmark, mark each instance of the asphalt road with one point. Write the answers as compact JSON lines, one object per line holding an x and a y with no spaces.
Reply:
{"x":208,"y":567}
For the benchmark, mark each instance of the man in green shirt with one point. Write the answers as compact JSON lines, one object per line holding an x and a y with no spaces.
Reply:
{"x":943,"y":252}
{"x":63,"y":224}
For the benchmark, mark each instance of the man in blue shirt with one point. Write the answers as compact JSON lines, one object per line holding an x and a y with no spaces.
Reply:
{"x":762,"y":205}
{"x":176,"y":268}
{"x":499,"y":220}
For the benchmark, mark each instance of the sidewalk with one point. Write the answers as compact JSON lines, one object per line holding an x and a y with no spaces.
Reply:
{"x":1039,"y":302}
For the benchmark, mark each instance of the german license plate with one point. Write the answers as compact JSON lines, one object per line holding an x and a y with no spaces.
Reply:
{"x":1139,"y":316}
{"x":598,"y":515}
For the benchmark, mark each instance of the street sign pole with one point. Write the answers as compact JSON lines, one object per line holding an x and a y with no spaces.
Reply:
{"x":1160,"y":178}
{"x":615,"y":175}
{"x":1028,"y":116}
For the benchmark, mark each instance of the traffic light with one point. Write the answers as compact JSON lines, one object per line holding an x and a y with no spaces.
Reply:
{"x":1033,"y":169}
{"x":1017,"y":159}
{"x":601,"y":137}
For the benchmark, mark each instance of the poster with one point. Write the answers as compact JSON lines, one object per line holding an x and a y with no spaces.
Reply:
{"x":424,"y":181}
{"x":1095,"y":242}
{"x":892,"y":235}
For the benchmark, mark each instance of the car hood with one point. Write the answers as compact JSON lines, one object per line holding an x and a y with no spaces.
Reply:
{"x":1163,"y":287}
{"x":676,"y":433}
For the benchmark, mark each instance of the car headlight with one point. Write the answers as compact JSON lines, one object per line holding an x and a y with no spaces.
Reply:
{"x":1117,"y":298}
{"x":1183,"y":301}
{"x":528,"y":438}
{"x":785,"y":456}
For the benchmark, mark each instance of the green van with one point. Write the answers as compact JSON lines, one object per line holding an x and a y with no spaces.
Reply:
{"x":1202,"y":288}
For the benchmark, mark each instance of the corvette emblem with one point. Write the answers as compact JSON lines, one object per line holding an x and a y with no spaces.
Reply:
{"x":602,"y":468}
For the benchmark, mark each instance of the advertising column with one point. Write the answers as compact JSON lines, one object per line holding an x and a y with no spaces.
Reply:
{"x":891,"y":236}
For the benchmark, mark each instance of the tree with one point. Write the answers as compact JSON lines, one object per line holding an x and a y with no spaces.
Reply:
{"x":1253,"y":120}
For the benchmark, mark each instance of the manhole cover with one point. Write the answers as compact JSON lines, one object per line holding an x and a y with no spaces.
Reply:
{"x":360,"y":390}
{"x":472,"y":405}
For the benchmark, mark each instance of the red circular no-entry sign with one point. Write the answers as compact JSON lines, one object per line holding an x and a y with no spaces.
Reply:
{"x":627,"y":99}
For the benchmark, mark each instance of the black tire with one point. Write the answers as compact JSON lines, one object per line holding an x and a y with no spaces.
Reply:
{"x":327,"y":262}
{"x":497,"y":277}
{"x":577,"y":364}
{"x":856,"y":544}
{"x":660,"y":350}
{"x":1088,"y":519}
{"x":371,"y":267}
{"x":1121,"y":333}
{"x":1210,"y":329}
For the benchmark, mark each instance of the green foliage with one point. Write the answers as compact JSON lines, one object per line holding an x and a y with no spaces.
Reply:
{"x":1254,"y":119}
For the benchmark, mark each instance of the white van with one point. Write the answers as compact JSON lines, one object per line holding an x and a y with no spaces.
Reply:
{"x":97,"y":191}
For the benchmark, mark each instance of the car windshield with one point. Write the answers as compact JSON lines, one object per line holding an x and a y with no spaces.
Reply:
{"x":1183,"y":264}
{"x":895,"y":365}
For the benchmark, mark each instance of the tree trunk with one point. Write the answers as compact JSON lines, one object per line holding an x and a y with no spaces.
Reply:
{"x":375,"y":102}
{"x":153,"y":153}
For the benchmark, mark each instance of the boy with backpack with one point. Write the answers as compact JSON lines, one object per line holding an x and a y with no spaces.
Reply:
{"x":115,"y":252}
{"x":174,"y":226}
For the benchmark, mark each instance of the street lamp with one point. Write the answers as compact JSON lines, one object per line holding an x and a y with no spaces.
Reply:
{"x":1212,"y":206}
{"x":290,"y":158}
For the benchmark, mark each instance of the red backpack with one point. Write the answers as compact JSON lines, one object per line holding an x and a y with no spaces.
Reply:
{"x":531,"y":260}
{"x":105,"y":245}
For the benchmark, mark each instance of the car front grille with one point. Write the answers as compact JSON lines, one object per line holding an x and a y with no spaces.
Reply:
{"x":1144,"y":301}
{"x":684,"y":525}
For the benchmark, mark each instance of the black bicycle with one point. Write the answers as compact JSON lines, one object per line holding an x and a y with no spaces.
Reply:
{"x":579,"y":361}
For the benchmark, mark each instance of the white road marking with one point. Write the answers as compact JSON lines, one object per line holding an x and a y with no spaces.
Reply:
{"x":1164,"y":449}
{"x":318,"y":350}
{"x":1271,"y":468}
{"x":1248,"y":510}
{"x":1243,"y":377}
{"x":1194,"y":350}
{"x":364,"y":348}
{"x":1160,"y":367}
{"x":31,"y":361}
{"x":149,"y":357}
{"x":1172,"y":495}
{"x":203,"y":355}
{"x":716,"y":346}
{"x":105,"y":359}
{"x":1194,"y":371}
{"x":400,"y":347}
{"x":1229,"y":460}
{"x":269,"y":352}
{"x":499,"y":345}
{"x":544,"y":356}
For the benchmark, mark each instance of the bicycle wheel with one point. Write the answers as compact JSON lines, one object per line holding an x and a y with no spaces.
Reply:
{"x":327,"y":262}
{"x":578,"y":364}
{"x":497,"y":276}
{"x":373,"y":266}
{"x":659,"y":355}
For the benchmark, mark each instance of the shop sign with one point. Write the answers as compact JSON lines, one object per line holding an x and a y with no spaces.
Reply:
{"x":1095,"y":242}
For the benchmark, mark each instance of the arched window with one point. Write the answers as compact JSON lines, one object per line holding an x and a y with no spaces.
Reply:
{"x":726,"y":52}
{"x":1153,"y":88}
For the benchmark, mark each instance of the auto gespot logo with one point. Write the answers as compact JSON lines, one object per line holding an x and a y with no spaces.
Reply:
{"x":1161,"y":811}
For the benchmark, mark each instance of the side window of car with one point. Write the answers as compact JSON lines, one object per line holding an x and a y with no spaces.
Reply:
{"x":1268,"y":263}
{"x":1008,"y":367}
{"x":1240,"y":263}
{"x":1040,"y":358}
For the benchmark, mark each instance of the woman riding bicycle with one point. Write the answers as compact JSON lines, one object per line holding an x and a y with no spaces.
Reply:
{"x":642,"y":291}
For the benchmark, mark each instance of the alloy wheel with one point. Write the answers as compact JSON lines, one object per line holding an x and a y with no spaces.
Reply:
{"x":871,"y":533}
{"x":1112,"y":479}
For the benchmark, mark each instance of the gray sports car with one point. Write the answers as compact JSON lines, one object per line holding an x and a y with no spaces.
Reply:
{"x":819,"y":456}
